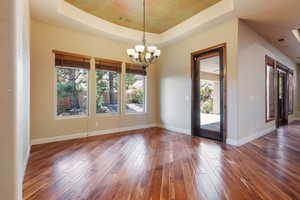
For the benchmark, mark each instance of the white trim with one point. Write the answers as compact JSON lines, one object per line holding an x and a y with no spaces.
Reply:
{"x":232,"y":142}
{"x":88,"y":134}
{"x":294,"y":119}
{"x":243,"y":141}
{"x":167,"y":127}
{"x":108,"y":115}
{"x":58,"y":138}
{"x":27,"y":158}
{"x":117,"y":130}
{"x":175,"y":129}
{"x":26,"y":162}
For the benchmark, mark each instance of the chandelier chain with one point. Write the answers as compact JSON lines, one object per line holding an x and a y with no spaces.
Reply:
{"x":144,"y":22}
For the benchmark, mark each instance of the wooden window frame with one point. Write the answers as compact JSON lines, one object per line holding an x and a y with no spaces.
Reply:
{"x":135,"y":69}
{"x":108,"y":65}
{"x":270,"y":62}
{"x":293,"y":90}
{"x":73,"y":60}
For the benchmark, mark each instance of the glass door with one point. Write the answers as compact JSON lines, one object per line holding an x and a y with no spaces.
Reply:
{"x":208,"y":96}
{"x":282,"y":111}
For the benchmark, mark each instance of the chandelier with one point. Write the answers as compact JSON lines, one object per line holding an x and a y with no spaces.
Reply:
{"x":142,"y":54}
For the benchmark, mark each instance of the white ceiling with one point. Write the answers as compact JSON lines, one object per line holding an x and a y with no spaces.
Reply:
{"x":273,"y":19}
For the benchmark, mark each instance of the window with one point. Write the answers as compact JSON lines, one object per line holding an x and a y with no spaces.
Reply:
{"x":291,"y":92}
{"x":135,"y":88}
{"x":107,"y":86}
{"x":72,"y":75}
{"x":270,"y":89}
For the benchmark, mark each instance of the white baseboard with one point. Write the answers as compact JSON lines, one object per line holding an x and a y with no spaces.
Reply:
{"x":243,"y":141}
{"x":229,"y":140}
{"x":294,"y":119}
{"x":175,"y":129}
{"x":233,"y":142}
{"x":58,"y":138}
{"x":88,"y":134}
{"x":171,"y":128}
{"x":117,"y":130}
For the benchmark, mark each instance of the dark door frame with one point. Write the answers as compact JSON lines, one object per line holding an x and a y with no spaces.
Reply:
{"x":194,"y":98}
{"x":286,"y":113}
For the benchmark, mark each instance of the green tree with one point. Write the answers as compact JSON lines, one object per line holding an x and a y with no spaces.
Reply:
{"x":70,"y":83}
{"x":130,"y":79}
{"x":206,"y":91}
{"x":107,"y":82}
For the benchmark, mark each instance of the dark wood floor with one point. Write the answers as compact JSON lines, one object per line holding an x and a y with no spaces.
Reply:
{"x":157,"y":164}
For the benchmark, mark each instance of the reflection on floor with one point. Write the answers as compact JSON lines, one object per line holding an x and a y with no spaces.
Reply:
{"x":158,"y":164}
{"x":210,"y":121}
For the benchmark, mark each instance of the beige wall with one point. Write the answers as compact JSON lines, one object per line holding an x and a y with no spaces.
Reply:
{"x":45,"y":38}
{"x":7,"y":135}
{"x":169,"y":81}
{"x":175,"y":76}
{"x":251,"y":83}
{"x":14,"y":101}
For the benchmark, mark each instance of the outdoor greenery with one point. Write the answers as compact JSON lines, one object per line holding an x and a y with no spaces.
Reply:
{"x":138,"y":95}
{"x":107,"y":84}
{"x":206,"y":91}
{"x":72,"y":90}
{"x":70,"y":84}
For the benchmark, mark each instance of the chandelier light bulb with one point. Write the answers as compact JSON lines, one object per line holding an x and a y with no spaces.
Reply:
{"x":136,"y":55}
{"x":130,"y":52}
{"x":157,"y":53}
{"x":152,"y":49}
{"x":139,"y":48}
{"x":148,"y":56}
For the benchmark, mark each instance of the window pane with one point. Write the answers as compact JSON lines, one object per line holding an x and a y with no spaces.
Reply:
{"x":135,"y":93}
{"x":107,"y":91}
{"x":270,"y":93}
{"x":72,"y":91}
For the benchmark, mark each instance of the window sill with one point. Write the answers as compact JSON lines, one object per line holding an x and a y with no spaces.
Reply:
{"x":103,"y":115}
{"x":137,"y":113}
{"x":71,"y":117}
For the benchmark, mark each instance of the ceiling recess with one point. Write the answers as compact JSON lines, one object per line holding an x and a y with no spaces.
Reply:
{"x":163,"y":15}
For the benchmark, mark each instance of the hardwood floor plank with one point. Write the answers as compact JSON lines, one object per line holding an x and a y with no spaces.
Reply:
{"x":156,"y":164}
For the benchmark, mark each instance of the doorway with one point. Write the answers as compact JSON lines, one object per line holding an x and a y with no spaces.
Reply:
{"x":209,"y":93}
{"x":282,"y":96}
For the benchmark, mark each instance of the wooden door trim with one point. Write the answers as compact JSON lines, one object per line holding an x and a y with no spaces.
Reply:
{"x":269,"y":61}
{"x":194,"y":56}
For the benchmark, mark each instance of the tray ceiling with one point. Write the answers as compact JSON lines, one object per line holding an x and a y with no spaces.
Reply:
{"x":160,"y":15}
